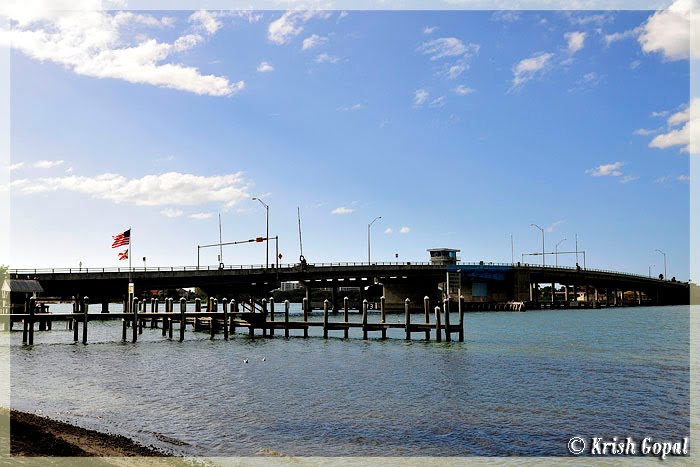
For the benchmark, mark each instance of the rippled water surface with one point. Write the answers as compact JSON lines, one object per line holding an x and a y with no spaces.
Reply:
{"x":520,"y":384}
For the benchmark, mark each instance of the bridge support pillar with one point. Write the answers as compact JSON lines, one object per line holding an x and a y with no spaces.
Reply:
{"x":105,"y":307}
{"x":554,"y":292}
{"x":334,"y":297}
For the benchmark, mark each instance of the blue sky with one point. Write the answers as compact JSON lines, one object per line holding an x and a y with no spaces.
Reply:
{"x":459,"y":128}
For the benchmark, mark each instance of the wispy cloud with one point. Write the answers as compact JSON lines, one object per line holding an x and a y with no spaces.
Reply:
{"x":420,"y":97}
{"x":429,"y":30}
{"x":607,"y":170}
{"x":629,"y":178}
{"x":554,"y":225}
{"x":681,"y":136}
{"x":505,"y":16}
{"x":102,"y":44}
{"x":291,"y":24}
{"x":438,"y":102}
{"x":463,"y":90}
{"x":673,"y":178}
{"x":447,"y":47}
{"x":168,"y":189}
{"x":44,"y":164}
{"x":201,"y":215}
{"x":342,"y":210}
{"x":265,"y":67}
{"x":326,"y":58}
{"x":170,"y":212}
{"x":313,"y":41}
{"x":351,"y":108}
{"x":404,"y":230}
{"x":528,"y":68}
{"x":575,"y":41}
{"x":16,"y":166}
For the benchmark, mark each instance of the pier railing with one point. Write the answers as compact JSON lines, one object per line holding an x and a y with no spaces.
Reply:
{"x":295,"y":267}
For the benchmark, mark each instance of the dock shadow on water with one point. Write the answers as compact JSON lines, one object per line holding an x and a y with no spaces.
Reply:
{"x":521,"y":384}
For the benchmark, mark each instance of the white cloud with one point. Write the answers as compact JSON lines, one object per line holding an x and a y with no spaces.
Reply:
{"x":290,"y":24}
{"x":69,"y":170}
{"x":389,"y":231}
{"x":168,"y":189}
{"x":618,"y":36}
{"x":44,"y":164}
{"x":265,"y":67}
{"x":673,"y":178}
{"x":629,"y":178}
{"x":445,"y":47}
{"x":100,"y":44}
{"x":404,"y":230}
{"x":342,"y":210}
{"x":607,"y":170}
{"x":528,"y":68}
{"x":681,"y":136}
{"x":575,"y":41}
{"x":505,"y":16}
{"x":313,"y":41}
{"x":438,"y":102}
{"x":16,"y":166}
{"x":552,"y":227}
{"x":587,"y":81}
{"x":463,"y":90}
{"x":351,"y":108}
{"x":428,"y":30}
{"x":668,"y":31}
{"x":170,"y":212}
{"x":581,"y":19}
{"x":645,"y":132}
{"x":325,"y":58}
{"x":420,"y":97}
{"x":201,"y":215}
{"x":635,"y":64}
{"x":457,"y":69}
{"x":205,"y":20}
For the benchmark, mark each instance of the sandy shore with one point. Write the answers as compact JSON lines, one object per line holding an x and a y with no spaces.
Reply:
{"x":33,"y":435}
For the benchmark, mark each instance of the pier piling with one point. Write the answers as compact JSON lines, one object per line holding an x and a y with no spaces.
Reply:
{"x":86,"y":305}
{"x":364,"y":319}
{"x":134,"y":327}
{"x":224,"y":305}
{"x":170,"y":318}
{"x":382,"y":314}
{"x":346,"y":316}
{"x":426,"y":308}
{"x":183,"y":321}
{"x":438,"y":337}
{"x":407,"y":318}
{"x":448,"y":331}
{"x":286,"y":318}
{"x":325,"y":319}
{"x":272,"y":316}
{"x":305,"y":303}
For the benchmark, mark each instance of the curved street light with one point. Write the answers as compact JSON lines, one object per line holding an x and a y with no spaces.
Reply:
{"x":369,"y":256}
{"x":665,"y":275}
{"x":267,"y":231}
{"x":541,"y":230}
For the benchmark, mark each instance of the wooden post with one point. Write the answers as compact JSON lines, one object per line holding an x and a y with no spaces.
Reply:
{"x":170,"y":318}
{"x":272,"y":316}
{"x":438,"y":337}
{"x":164,"y":327}
{"x":154,"y":309}
{"x":224,"y":305}
{"x":134,"y":330}
{"x":86,"y":304}
{"x":364,"y":319}
{"x":264,"y":310}
{"x":286,"y":318}
{"x":461,"y":318}
{"x":426,"y":308}
{"x":325,"y":319}
{"x":183,"y":308}
{"x":346,"y":316}
{"x":446,"y":307}
{"x":105,"y":307}
{"x":382,"y":314}
{"x":305,"y":309}
{"x":77,"y":309}
{"x":197,"y":309}
{"x":407,"y":318}
{"x":124,"y":321}
{"x":141,"y":321}
{"x":234,"y":309}
{"x":32,"y":310}
{"x":213,"y":308}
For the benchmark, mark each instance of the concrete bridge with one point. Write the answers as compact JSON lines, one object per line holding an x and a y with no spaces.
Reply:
{"x":480,"y":282}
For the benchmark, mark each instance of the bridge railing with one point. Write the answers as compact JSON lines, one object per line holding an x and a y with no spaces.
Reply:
{"x":288,"y":267}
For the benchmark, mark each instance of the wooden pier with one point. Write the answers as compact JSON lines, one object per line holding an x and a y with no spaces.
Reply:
{"x":225,"y":316}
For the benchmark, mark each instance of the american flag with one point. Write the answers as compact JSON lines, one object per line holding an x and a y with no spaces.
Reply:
{"x":124,"y":254}
{"x":121,"y":239}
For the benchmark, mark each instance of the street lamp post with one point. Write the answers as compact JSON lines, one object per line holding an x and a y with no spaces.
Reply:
{"x":267,"y":231}
{"x":665,"y":275}
{"x":541,"y":230}
{"x":369,"y":251}
{"x":556,"y":252}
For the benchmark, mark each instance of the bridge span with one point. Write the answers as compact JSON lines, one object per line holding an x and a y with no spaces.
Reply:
{"x":480,"y":282}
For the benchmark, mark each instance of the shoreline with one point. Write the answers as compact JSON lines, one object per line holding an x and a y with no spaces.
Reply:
{"x":33,"y":435}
